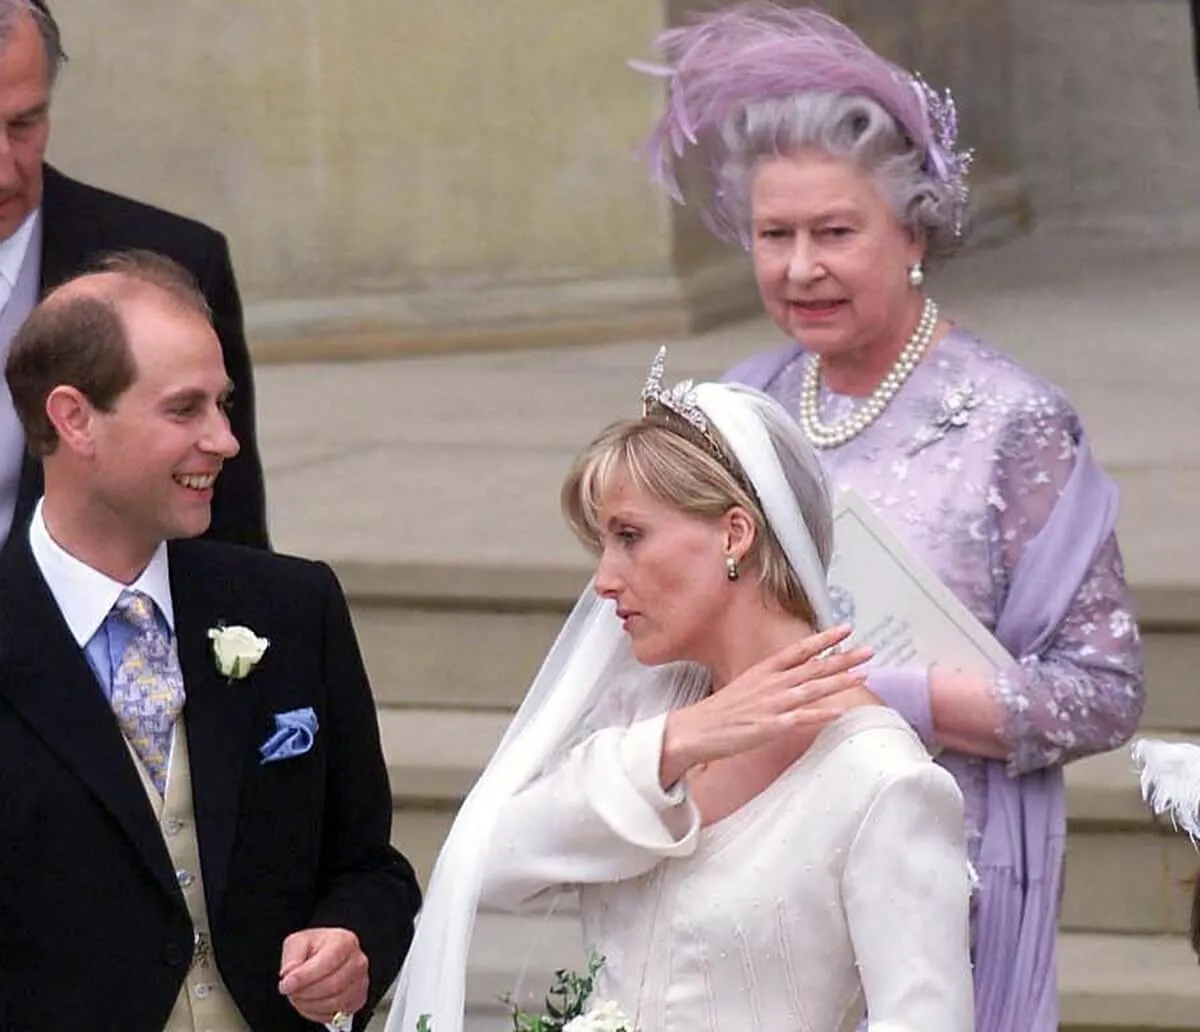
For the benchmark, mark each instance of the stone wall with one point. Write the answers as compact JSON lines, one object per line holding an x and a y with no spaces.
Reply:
{"x":967,"y":46}
{"x":450,"y":173}
{"x":1109,"y":116}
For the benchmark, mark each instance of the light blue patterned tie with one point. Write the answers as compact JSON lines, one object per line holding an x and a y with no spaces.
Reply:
{"x":147,"y":688}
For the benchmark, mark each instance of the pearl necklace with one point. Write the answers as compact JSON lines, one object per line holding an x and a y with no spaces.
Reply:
{"x":822,"y":436}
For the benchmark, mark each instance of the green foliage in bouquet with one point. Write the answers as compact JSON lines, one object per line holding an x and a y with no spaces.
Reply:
{"x":566,"y":999}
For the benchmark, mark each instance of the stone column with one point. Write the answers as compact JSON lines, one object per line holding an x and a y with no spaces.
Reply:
{"x":401,"y":176}
{"x":1107,"y":108}
{"x":967,"y":46}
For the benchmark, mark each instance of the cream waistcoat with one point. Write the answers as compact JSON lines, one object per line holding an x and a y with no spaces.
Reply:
{"x":204,"y":1003}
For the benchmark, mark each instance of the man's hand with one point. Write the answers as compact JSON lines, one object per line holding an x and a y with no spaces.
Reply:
{"x":323,"y":971}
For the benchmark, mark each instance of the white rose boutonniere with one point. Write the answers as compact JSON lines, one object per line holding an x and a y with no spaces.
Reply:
{"x":237,"y":650}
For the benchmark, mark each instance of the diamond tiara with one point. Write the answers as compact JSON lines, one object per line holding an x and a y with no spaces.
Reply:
{"x":681,"y":401}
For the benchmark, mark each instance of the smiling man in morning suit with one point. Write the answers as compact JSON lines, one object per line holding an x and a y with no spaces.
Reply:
{"x":194,"y":807}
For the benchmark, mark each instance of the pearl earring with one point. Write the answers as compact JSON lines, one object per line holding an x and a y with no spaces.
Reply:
{"x":916,"y":275}
{"x":731,"y":568}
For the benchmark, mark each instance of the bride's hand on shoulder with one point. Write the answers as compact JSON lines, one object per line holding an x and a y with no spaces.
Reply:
{"x":783,"y":692}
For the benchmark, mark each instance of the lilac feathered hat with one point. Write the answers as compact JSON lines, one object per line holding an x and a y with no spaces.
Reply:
{"x":759,"y":51}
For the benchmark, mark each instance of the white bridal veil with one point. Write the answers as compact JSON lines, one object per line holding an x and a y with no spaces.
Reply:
{"x":591,"y":654}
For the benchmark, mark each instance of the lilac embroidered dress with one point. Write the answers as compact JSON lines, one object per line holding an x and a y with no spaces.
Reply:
{"x":968,"y":464}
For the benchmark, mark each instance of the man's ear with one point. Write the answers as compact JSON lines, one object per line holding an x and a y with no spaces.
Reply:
{"x":73,"y":418}
{"x":740,"y":532}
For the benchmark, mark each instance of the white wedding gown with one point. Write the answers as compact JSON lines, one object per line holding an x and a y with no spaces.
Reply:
{"x":843,"y":886}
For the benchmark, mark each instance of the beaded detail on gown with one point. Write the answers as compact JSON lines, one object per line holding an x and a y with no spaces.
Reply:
{"x":791,"y":913}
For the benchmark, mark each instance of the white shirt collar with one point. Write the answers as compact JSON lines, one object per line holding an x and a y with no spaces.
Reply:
{"x":12,"y":250}
{"x":85,"y":596}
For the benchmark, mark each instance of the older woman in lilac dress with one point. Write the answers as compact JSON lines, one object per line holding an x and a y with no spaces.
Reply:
{"x":840,"y":174}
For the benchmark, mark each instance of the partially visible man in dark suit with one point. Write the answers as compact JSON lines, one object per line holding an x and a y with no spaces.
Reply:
{"x":53,"y":228}
{"x":194,"y":807}
{"x":1196,"y":38}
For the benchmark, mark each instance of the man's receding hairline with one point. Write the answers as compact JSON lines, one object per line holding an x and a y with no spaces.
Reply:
{"x":122,"y":286}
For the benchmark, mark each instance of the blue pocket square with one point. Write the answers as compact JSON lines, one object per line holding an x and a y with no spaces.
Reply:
{"x":295,"y":732}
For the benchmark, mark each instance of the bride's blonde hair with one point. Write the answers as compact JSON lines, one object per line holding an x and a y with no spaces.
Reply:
{"x":671,"y":463}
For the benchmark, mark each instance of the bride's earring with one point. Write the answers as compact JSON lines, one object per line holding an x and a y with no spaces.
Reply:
{"x":916,"y":275}
{"x":731,"y":568}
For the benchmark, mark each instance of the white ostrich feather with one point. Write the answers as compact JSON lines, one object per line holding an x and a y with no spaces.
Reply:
{"x":1170,"y":774}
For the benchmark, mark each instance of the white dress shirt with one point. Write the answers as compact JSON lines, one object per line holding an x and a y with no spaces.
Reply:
{"x":85,"y":596}
{"x":12,"y":255}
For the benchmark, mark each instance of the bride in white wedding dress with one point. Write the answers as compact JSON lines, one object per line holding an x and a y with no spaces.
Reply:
{"x":756,"y":842}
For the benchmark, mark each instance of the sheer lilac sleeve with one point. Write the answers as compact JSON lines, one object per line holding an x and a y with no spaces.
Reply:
{"x":906,"y":692}
{"x":1083,"y":693}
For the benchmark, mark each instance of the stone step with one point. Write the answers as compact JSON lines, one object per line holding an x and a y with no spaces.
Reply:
{"x":482,"y":652}
{"x":512,"y":957}
{"x":1125,"y":872}
{"x":1172,"y":659}
{"x":1127,"y":983}
{"x":433,"y":758}
{"x":448,"y":655}
{"x":435,"y":754}
{"x":1128,"y":883}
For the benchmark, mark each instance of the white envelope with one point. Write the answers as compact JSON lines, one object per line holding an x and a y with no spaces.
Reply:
{"x":895,"y":603}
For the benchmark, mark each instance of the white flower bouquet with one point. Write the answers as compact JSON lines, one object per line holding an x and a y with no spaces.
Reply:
{"x":564,"y":1010}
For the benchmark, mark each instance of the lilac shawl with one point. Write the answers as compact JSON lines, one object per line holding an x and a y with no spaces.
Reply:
{"x":1021,"y":852}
